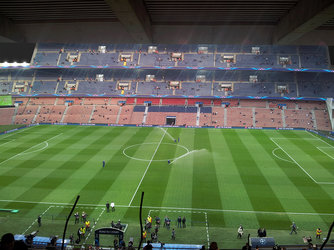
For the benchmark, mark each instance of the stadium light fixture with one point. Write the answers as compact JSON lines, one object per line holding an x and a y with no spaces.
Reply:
{"x":5,"y":64}
{"x":25,"y":64}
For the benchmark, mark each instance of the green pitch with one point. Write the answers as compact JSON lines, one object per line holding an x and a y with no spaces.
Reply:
{"x":6,"y":100}
{"x":218,"y":179}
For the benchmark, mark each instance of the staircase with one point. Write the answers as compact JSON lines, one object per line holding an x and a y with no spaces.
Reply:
{"x":330,"y":108}
{"x":314,"y":120}
{"x":37,"y":112}
{"x":225,"y":117}
{"x":91,"y":114}
{"x":198,"y":115}
{"x":15,"y":112}
{"x":145,"y":115}
{"x":119,"y":114}
{"x":283,"y":118}
{"x":63,"y":117}
{"x":32,"y":83}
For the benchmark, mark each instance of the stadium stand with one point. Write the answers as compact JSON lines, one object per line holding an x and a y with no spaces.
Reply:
{"x":268,"y":118}
{"x":239,"y":117}
{"x":245,"y":98}
{"x":78,"y":114}
{"x":6,"y":115}
{"x":126,"y":115}
{"x":184,"y":56}
{"x":105,"y":114}
{"x":238,"y":113}
{"x":50,"y":114}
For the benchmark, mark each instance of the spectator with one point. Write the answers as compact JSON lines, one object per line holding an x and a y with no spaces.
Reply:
{"x":213,"y":246}
{"x":7,"y":241}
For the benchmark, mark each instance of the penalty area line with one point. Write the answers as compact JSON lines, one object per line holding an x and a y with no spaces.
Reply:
{"x":16,"y":132}
{"x":173,"y":208}
{"x":36,"y":219}
{"x":23,"y":152}
{"x":91,"y":230}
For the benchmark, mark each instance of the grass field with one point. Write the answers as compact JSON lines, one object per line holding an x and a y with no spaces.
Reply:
{"x":218,"y":179}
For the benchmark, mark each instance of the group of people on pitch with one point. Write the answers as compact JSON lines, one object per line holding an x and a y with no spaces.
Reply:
{"x":167,"y":223}
{"x":83,"y":229}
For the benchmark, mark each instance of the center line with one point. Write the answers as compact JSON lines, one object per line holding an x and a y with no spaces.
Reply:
{"x":149,"y":164}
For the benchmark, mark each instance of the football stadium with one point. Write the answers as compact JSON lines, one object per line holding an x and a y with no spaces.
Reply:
{"x":161,"y":124}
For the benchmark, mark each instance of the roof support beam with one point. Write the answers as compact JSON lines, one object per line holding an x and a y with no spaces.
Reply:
{"x":9,"y":32}
{"x":303,"y":18}
{"x":134,"y":17}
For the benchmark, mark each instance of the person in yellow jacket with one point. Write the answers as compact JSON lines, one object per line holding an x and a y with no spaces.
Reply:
{"x":149,"y":219}
{"x":144,"y":235}
{"x":318,"y":233}
{"x":87,"y":224}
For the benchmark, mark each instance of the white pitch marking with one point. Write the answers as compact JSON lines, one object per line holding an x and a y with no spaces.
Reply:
{"x":286,"y":138}
{"x":16,"y":132}
{"x":149,"y":164}
{"x":28,"y":149}
{"x":91,"y":230}
{"x":294,"y":160}
{"x":178,"y":211}
{"x":318,"y":182}
{"x":168,"y":134}
{"x":37,"y":150}
{"x":177,"y":208}
{"x":150,"y":143}
{"x":325,"y":152}
{"x":36,"y":220}
{"x":6,"y":142}
{"x":320,"y":139}
{"x":273,"y":152}
{"x":207,"y":228}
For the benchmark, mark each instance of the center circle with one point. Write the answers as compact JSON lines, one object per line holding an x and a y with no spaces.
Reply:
{"x":145,"y":151}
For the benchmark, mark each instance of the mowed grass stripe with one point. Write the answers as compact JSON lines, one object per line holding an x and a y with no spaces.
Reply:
{"x":97,"y":183}
{"x":85,"y":171}
{"x":133,"y":173}
{"x":19,"y":169}
{"x":156,"y":178}
{"x":58,"y":175}
{"x":313,"y":193}
{"x":205,"y":192}
{"x":23,"y":141}
{"x":29,"y":171}
{"x":232,"y":190}
{"x":102,"y":182}
{"x":259,"y":191}
{"x":289,"y":195}
{"x":309,"y":148}
{"x":178,"y":191}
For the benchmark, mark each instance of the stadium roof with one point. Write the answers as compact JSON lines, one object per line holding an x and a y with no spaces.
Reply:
{"x":140,"y":17}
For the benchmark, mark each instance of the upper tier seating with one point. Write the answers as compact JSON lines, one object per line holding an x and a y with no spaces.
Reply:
{"x":223,"y":83}
{"x":268,"y":56}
